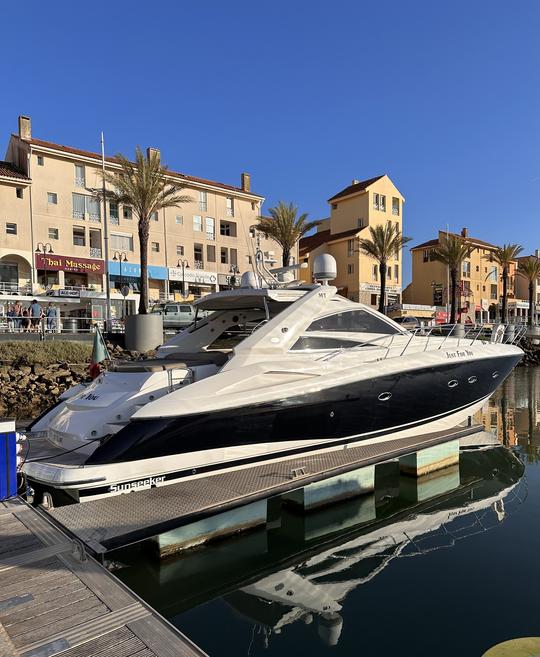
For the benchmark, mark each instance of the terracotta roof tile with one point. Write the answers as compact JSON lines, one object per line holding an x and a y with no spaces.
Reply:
{"x":472,"y":240}
{"x":311,"y":242}
{"x":9,"y":170}
{"x":108,"y":158}
{"x":357,"y":187}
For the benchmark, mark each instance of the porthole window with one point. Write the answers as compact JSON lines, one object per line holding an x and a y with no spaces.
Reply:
{"x":385,"y":396}
{"x":472,"y":379}
{"x":453,"y":383}
{"x":495,"y":374}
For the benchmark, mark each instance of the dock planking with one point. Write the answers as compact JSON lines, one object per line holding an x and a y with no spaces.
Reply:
{"x":56,"y":600}
{"x":113,"y":522}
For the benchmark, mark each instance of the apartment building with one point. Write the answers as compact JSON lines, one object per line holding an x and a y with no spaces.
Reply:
{"x":480,"y":283}
{"x":52,"y":228}
{"x":522,"y":285}
{"x":375,"y":201}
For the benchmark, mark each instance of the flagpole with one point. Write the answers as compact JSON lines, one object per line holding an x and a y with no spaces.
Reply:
{"x":105,"y":241}
{"x":447,"y":281}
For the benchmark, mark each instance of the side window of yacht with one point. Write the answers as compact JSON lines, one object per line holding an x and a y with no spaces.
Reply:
{"x":353,"y":321}
{"x":306,"y":342}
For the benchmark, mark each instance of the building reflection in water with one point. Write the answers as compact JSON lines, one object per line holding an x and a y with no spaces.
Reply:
{"x":513,"y":413}
{"x":302,"y":567}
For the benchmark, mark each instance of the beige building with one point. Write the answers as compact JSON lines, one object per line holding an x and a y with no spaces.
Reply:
{"x":352,"y":210}
{"x":480,"y":284}
{"x":52,"y":228}
{"x":522,"y":285}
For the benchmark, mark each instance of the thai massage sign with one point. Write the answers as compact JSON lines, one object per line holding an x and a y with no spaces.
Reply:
{"x":53,"y":262}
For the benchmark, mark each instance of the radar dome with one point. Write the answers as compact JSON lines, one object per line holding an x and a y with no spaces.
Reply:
{"x":248,"y":279}
{"x":324,"y":267}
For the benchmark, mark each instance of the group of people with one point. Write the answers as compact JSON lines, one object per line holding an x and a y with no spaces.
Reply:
{"x":28,"y":319}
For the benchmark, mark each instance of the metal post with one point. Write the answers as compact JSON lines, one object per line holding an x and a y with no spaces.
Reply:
{"x":106,"y":241}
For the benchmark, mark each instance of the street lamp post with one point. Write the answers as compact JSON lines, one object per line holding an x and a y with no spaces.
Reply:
{"x":185,"y":265}
{"x":120,"y":257}
{"x":44,"y":248}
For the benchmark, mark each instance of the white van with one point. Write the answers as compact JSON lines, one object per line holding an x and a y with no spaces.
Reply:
{"x":177,"y":314}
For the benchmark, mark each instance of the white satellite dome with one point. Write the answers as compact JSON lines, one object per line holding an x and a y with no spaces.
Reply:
{"x":324,"y":267}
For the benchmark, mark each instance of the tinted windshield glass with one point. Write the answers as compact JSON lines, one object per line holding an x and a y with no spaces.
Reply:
{"x":353,"y":321}
{"x":312,"y":342}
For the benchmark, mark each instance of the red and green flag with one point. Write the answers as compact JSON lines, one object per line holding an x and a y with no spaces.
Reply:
{"x":99,"y":353}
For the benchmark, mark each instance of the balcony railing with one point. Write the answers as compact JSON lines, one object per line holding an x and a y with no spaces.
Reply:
{"x":210,"y":236}
{"x":95,"y":252}
{"x":115,"y":221}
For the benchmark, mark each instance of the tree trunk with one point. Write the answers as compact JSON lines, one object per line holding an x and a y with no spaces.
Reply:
{"x":143,"y":244}
{"x":453,"y":287}
{"x":504,"y":312}
{"x":286,"y":256}
{"x":531,"y":304}
{"x":382,"y":271}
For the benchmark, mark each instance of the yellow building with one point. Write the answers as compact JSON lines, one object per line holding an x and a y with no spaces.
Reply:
{"x":480,"y":284}
{"x":52,"y":229}
{"x":352,"y":210}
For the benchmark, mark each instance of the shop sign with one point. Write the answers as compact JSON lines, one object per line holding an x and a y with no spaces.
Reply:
{"x":67,"y":293}
{"x":195,"y":276}
{"x":53,"y":262}
{"x":133,"y":270}
{"x":375,"y":287}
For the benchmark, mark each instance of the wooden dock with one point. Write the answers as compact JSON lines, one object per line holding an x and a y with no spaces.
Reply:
{"x":113,"y":522}
{"x":57,"y":600}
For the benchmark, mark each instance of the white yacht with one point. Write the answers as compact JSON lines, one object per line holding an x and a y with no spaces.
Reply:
{"x":309,"y":371}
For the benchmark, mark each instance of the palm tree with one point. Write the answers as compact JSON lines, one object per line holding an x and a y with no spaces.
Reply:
{"x":384,"y":243}
{"x":529,"y":268}
{"x":285,"y":228}
{"x":504,"y":256}
{"x":452,"y":251}
{"x":144,"y":186}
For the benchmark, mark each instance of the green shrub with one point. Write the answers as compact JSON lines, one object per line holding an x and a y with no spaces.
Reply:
{"x":45,"y":353}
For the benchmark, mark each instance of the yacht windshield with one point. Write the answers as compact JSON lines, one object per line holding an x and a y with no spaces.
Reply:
{"x":353,"y":321}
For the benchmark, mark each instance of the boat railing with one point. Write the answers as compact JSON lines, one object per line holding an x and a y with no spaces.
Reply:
{"x":465,"y":334}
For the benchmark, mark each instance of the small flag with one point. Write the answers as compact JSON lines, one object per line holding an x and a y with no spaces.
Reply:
{"x":99,"y":354}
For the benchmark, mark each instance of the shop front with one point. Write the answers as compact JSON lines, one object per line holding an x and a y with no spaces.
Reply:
{"x":369,"y":294}
{"x":129,"y":273}
{"x":58,"y":273}
{"x":229,"y":281}
{"x":188,"y":282}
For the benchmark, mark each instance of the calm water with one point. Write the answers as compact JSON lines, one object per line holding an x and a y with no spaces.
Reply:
{"x":445,"y":568}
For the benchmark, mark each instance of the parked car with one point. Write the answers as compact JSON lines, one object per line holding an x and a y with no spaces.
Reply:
{"x":408,"y":322}
{"x":177,"y":315}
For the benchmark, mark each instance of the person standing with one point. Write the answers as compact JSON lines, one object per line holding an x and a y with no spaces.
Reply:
{"x":17,"y":315}
{"x":36,"y":314}
{"x":51,"y":314}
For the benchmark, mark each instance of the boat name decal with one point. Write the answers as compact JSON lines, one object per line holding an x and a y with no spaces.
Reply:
{"x":90,"y":396}
{"x":459,"y":353}
{"x":131,"y":485}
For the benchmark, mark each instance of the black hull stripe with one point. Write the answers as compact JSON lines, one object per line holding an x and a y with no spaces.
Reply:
{"x":273,"y":456}
{"x":370,"y":408}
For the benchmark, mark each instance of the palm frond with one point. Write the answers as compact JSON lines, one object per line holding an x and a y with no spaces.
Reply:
{"x":285,"y":227}
{"x":145,"y":186}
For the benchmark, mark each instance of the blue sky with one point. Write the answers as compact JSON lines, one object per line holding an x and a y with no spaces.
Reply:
{"x":442,"y":96}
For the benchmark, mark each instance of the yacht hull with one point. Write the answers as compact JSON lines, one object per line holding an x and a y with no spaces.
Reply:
{"x":160,"y":451}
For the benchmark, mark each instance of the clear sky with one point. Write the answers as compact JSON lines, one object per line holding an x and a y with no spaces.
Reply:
{"x":305,"y":95}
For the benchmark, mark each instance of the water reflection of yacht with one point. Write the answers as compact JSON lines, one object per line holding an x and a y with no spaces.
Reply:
{"x":293,"y":574}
